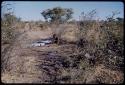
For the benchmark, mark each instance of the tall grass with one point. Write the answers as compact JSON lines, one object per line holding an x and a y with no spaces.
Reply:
{"x":102,"y":39}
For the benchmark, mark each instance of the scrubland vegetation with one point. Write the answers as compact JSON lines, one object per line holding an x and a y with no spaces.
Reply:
{"x":88,"y":51}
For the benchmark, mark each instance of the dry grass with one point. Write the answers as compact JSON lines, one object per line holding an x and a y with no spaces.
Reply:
{"x":25,"y":65}
{"x":66,"y":32}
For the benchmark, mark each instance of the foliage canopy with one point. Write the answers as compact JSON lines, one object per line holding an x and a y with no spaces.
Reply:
{"x":57,"y":14}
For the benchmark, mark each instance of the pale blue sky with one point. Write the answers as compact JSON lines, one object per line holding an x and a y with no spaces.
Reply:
{"x":30,"y":10}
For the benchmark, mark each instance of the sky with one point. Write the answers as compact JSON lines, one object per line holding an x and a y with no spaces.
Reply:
{"x":31,"y":10}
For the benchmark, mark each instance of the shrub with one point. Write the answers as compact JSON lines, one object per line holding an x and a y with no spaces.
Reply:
{"x":103,"y":39}
{"x":7,"y":35}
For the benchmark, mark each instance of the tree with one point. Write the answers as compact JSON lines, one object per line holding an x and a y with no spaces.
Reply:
{"x":120,"y":19}
{"x":57,"y":14}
